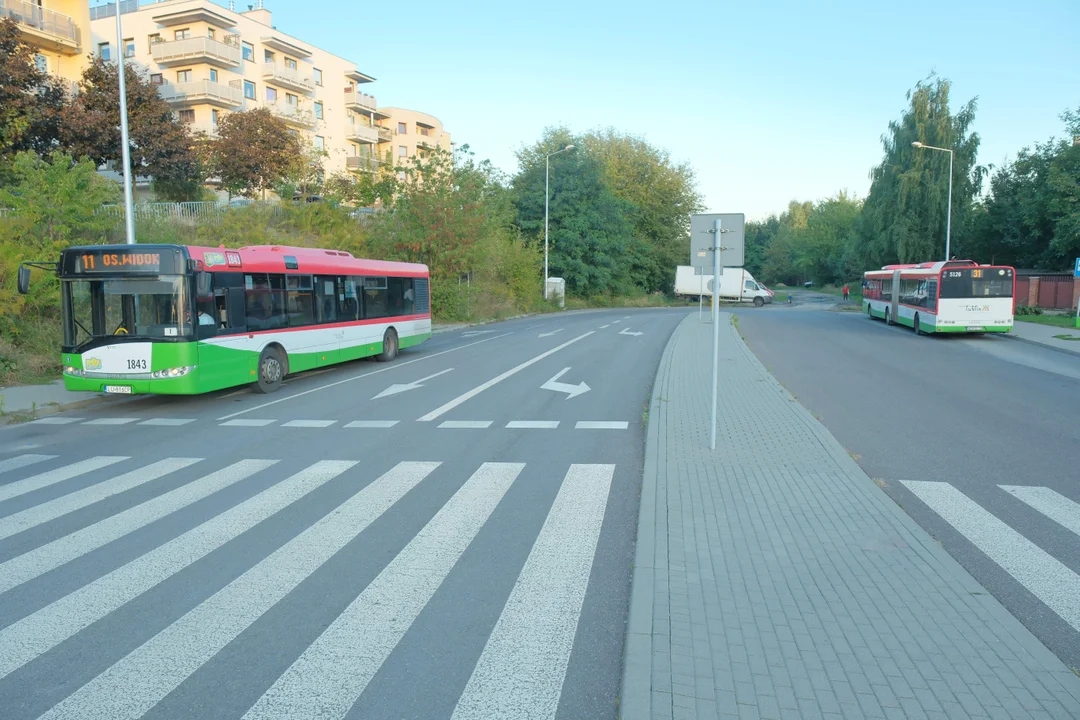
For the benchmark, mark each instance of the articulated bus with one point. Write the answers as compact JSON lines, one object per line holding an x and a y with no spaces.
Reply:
{"x":958,"y":296}
{"x":180,"y":320}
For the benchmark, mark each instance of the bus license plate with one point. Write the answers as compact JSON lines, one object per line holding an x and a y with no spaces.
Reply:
{"x":118,"y":389}
{"x":975,"y":327}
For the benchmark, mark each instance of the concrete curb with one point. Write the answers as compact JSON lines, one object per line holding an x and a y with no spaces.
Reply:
{"x":19,"y":417}
{"x":635,"y":696}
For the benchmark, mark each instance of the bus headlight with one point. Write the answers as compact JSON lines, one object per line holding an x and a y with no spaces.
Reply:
{"x":171,"y":372}
{"x":71,"y":370}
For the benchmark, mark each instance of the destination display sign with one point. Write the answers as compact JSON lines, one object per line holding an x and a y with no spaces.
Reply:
{"x":108,"y":260}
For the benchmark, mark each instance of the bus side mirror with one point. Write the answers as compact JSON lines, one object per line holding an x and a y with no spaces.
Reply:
{"x":203,"y":285}
{"x":24,"y":279}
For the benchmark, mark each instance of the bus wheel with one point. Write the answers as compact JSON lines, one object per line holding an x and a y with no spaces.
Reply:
{"x":758,"y":302}
{"x":917,"y":330}
{"x":271,"y":370}
{"x":389,"y":346}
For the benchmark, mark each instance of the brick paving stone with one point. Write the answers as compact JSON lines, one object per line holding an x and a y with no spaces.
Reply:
{"x":772,"y":576}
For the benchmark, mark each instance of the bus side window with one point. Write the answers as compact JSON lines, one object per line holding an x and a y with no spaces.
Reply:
{"x":235,"y":310}
{"x":326,"y":299}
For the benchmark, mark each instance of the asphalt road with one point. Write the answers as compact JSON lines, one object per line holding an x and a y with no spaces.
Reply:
{"x":461,"y":546}
{"x":975,"y":437}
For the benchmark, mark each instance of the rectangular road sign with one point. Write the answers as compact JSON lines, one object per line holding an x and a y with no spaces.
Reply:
{"x":1076,"y":270}
{"x":733,"y":239}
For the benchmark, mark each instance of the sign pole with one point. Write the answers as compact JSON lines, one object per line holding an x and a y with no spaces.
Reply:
{"x":129,"y":214}
{"x":716,"y":327}
{"x":701,"y":295}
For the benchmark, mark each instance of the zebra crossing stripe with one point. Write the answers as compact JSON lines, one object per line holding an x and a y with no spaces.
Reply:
{"x":22,"y":461}
{"x":334,"y":670}
{"x":35,"y":634}
{"x":45,"y":512}
{"x":41,"y":560}
{"x":1052,"y":504}
{"x":521,"y":670}
{"x":52,"y":477}
{"x":1044,"y":576}
{"x":141,"y":679}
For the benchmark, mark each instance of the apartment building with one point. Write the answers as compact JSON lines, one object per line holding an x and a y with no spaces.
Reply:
{"x":209,"y":60}
{"x":408,"y":133}
{"x":58,"y":30}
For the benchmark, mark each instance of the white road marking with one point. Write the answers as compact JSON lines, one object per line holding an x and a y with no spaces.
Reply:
{"x":521,"y":671}
{"x":405,"y":387}
{"x":309,"y":423}
{"x":465,"y":424}
{"x":133,"y":685}
{"x":111,"y":421}
{"x":571,"y":390}
{"x":21,"y":461}
{"x":601,"y":425}
{"x":248,"y":423}
{"x":331,"y":674}
{"x":626,"y":331}
{"x":364,"y":375}
{"x":549,"y":334}
{"x":35,"y":634}
{"x":53,"y":509}
{"x":57,"y":421}
{"x":52,"y":477}
{"x":471,"y":333}
{"x":39,"y":561}
{"x":1052,"y":504}
{"x":533,"y":424}
{"x":1046,"y":578}
{"x":498,"y":379}
{"x":605,"y":327}
{"x":372,"y":424}
{"x":167,"y":422}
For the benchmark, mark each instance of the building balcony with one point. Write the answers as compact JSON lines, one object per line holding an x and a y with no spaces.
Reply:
{"x":361,"y":163}
{"x":359,"y":102}
{"x":355,"y":132}
{"x":200,"y":92}
{"x":292,"y":115}
{"x":287,"y":77}
{"x":43,"y":28}
{"x":196,"y":50}
{"x":385,"y":135}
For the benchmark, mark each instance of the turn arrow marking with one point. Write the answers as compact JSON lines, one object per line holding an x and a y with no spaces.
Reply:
{"x":405,"y":387}
{"x":626,"y":331}
{"x":570,"y":390}
{"x":550,"y":333}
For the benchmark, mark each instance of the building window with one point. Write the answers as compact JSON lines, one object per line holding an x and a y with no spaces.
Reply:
{"x":41,"y":63}
{"x":402,"y":151}
{"x":401,"y":128}
{"x":271,"y":94}
{"x":129,"y":48}
{"x":182,"y":34}
{"x":318,"y":76}
{"x":157,"y":79}
{"x":214,"y":116}
{"x":211,"y":33}
{"x":187,"y":116}
{"x":153,"y":40}
{"x":320,"y":145}
{"x":183,"y":76}
{"x":213,"y":75}
{"x":290,"y":63}
{"x":318,"y":111}
{"x":268,"y":56}
{"x":249,"y":52}
{"x":292,"y":99}
{"x":401,"y":176}
{"x":103,"y":52}
{"x":249,"y":90}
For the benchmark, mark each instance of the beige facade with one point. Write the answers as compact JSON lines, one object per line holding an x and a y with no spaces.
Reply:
{"x":209,"y":61}
{"x":408,"y":133}
{"x":58,"y":30}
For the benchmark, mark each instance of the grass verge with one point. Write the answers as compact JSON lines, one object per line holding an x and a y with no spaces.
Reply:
{"x":1065,"y":321}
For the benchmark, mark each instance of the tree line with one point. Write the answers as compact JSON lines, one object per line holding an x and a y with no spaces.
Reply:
{"x":1028,"y":216}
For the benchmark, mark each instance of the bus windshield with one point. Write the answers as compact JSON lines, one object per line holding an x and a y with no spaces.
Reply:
{"x":146,"y":308}
{"x":977,"y":283}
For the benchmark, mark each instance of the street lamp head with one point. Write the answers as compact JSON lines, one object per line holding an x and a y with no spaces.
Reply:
{"x":568,"y":147}
{"x":916,"y":144}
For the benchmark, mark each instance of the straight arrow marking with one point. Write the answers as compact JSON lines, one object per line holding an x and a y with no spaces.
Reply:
{"x":405,"y":387}
{"x":570,"y":390}
{"x":626,"y":331}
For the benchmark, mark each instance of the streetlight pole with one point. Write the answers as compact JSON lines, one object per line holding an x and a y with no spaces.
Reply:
{"x":547,"y":177}
{"x":948,"y":217}
{"x":129,"y":214}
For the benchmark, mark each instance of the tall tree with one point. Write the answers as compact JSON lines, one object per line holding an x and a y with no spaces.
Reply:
{"x":253,"y":152}
{"x":30,"y":100}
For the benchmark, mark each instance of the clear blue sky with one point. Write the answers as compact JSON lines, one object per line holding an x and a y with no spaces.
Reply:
{"x":769,"y":100}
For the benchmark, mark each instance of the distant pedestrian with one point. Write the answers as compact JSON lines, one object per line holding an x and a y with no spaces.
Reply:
{"x":846,"y":290}
{"x":789,"y":298}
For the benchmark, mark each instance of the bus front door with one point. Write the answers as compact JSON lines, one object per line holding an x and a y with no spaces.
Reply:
{"x":895,"y":297}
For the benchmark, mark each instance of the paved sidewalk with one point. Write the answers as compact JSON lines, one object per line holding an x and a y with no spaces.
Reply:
{"x":1044,"y":335}
{"x":22,"y":399}
{"x":773,"y":579}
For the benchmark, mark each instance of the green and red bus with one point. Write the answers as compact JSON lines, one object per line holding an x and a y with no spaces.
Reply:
{"x":177,"y":320}
{"x":957,"y":296}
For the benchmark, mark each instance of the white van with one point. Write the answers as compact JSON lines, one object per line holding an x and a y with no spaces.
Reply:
{"x":735,"y":284}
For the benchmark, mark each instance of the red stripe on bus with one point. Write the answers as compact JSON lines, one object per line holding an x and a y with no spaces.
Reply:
{"x":355,"y":323}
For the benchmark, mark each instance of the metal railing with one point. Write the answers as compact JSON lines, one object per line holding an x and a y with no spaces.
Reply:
{"x":385,"y":134}
{"x":364,"y":133}
{"x":49,"y":21}
{"x":194,"y":48}
{"x":190,"y":91}
{"x":107,"y":11}
{"x":288,"y":76}
{"x":292,"y":114}
{"x":167,"y":210}
{"x":361,"y":100}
